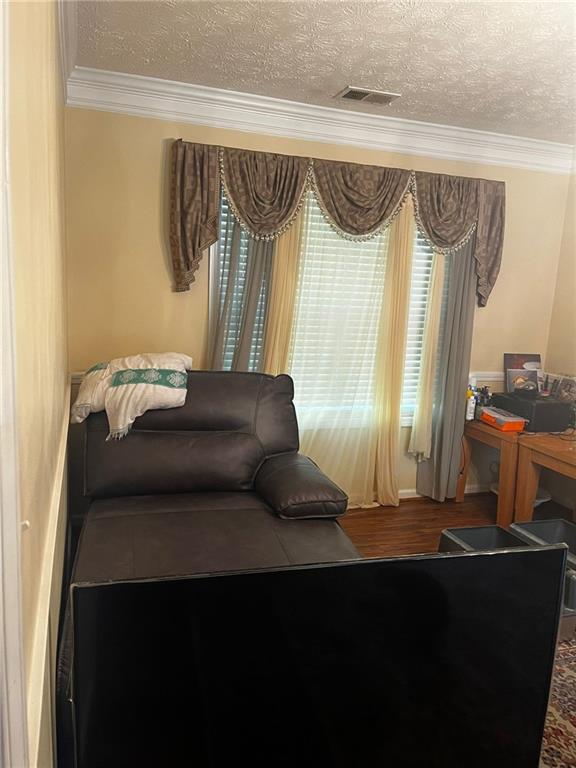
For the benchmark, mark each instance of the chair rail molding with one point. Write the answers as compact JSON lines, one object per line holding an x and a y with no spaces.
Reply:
{"x":199,"y":105}
{"x":13,"y":726}
{"x":482,"y":376}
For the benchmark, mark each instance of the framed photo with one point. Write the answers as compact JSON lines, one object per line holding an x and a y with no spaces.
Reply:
{"x":520,"y":378}
{"x":516,"y":361}
{"x":566,"y":391}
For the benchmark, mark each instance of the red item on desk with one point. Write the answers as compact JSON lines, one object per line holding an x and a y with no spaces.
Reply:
{"x":502,"y":420}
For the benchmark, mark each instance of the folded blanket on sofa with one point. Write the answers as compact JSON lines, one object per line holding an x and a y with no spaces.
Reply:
{"x":92,"y":392}
{"x":175,"y":360}
{"x":134,"y":391}
{"x":129,"y":386}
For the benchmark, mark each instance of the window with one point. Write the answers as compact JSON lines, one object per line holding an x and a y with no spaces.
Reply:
{"x":420,"y":285}
{"x":337,"y":277}
{"x":340,"y":277}
{"x":336,"y":318}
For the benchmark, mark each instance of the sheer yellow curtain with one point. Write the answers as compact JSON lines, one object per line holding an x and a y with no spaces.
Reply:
{"x":282,"y":298}
{"x":390,"y":354}
{"x":421,"y":435}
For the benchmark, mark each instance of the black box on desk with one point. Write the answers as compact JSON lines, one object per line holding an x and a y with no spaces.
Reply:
{"x":543,"y":414}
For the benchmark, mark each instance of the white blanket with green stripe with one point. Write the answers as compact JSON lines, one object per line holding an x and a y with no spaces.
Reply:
{"x":127,"y":387}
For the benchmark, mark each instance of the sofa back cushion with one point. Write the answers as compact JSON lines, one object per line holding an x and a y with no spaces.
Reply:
{"x":229,"y":424}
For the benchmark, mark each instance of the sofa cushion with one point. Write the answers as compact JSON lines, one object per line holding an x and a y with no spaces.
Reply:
{"x":295,"y":487}
{"x":171,"y":462}
{"x":182,"y":534}
{"x":216,"y":441}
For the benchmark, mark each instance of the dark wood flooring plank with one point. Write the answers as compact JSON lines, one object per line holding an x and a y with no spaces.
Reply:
{"x":415,"y":526}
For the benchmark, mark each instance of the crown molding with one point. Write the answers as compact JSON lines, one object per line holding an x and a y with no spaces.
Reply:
{"x":169,"y":100}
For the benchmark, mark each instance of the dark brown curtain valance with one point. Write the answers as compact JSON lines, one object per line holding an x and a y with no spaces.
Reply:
{"x":359,"y":199}
{"x":489,"y":236}
{"x":447,"y":208}
{"x":450,"y":208}
{"x":194,"y":207}
{"x":264,"y":190}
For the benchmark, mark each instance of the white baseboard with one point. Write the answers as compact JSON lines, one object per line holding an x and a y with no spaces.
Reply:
{"x":39,"y":656}
{"x":411,"y":493}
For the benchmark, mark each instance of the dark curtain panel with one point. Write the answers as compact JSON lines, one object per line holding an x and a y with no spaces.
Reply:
{"x":243,"y":273}
{"x":194,"y":206}
{"x":489,"y":236}
{"x":264,"y":190}
{"x":359,"y":199}
{"x":448,"y":207}
{"x":438,"y":475}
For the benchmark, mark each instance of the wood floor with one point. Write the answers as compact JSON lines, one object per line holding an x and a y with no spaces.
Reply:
{"x":415,"y":525}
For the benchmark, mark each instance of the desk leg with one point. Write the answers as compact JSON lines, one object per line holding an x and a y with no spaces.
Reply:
{"x":526,"y":485}
{"x":463,"y":476}
{"x":507,"y":484}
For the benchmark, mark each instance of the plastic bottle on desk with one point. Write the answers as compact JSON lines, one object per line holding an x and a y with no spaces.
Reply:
{"x":470,"y":404}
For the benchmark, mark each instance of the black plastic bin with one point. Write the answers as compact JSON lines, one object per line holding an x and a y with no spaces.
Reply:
{"x":570,"y":590}
{"x":480,"y":538}
{"x":549,"y":532}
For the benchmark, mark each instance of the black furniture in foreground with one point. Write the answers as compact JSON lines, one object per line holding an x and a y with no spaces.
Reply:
{"x":534,"y":533}
{"x":437,"y":661}
{"x":554,"y":532}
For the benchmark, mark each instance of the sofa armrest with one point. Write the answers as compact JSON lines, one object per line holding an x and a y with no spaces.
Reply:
{"x":296,"y":488}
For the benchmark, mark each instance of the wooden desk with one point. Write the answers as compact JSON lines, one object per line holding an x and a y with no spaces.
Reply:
{"x":507,"y":444}
{"x":537,"y":451}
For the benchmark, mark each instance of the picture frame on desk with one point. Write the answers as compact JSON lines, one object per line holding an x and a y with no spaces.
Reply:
{"x":523,"y":362}
{"x":521,"y":379}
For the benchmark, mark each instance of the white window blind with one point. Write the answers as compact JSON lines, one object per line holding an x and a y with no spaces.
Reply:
{"x":419,"y":288}
{"x":349,"y":282}
{"x":338,"y":302}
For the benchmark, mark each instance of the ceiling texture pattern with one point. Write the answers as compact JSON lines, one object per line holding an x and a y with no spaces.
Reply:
{"x":506,"y":67}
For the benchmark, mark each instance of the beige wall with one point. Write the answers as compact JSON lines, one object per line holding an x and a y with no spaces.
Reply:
{"x":36,"y":163}
{"x":561,"y":355}
{"x":119,"y":278}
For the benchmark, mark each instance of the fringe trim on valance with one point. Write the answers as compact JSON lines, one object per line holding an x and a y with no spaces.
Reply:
{"x":240,"y":219}
{"x":422,"y":228}
{"x":310,"y":185}
{"x":369,"y":235}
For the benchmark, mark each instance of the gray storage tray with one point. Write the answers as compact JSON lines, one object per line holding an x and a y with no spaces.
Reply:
{"x":549,"y":532}
{"x":485,"y":537}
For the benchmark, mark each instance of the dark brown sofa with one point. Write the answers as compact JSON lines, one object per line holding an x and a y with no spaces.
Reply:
{"x":217,"y":485}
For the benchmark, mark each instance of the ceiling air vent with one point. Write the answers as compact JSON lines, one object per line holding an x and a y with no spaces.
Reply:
{"x":366,"y":96}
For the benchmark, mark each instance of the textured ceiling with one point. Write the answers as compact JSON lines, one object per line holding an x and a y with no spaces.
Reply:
{"x":508,"y":67}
